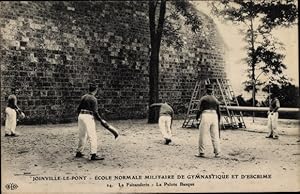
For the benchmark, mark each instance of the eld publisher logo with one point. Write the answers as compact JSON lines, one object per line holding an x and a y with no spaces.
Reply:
{"x":11,"y":186}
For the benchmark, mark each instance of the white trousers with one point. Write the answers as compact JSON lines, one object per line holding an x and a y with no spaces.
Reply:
{"x":10,"y":121}
{"x":272,"y":124}
{"x":87,"y":128}
{"x":164,"y":123}
{"x":209,"y":125}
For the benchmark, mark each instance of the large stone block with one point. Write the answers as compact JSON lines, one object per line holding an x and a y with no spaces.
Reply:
{"x":51,"y":51}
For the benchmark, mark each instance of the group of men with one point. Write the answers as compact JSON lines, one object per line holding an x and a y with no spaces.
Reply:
{"x":208,"y":115}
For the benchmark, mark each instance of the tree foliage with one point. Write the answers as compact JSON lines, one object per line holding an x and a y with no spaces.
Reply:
{"x":287,"y":93}
{"x":260,"y":17}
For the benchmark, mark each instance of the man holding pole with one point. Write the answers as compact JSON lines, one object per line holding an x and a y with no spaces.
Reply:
{"x":210,"y":122}
{"x":88,"y":112}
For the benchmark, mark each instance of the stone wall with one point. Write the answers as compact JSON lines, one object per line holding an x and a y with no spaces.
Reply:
{"x":50,"y":51}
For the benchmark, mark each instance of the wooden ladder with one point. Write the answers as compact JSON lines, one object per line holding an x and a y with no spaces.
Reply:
{"x":223,"y":91}
{"x":232,"y":119}
{"x":198,"y":92}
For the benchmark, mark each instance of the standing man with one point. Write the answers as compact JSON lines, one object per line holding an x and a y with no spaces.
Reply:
{"x":210,"y":118}
{"x":12,"y":114}
{"x":273,"y":118}
{"x":88,"y":112}
{"x":166,"y":114}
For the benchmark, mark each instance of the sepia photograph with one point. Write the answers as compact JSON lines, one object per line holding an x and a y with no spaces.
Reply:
{"x":149,"y":96}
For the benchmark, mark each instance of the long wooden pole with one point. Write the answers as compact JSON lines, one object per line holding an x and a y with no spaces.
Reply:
{"x":260,"y":109}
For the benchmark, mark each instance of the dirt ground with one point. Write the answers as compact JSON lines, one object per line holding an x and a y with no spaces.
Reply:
{"x":249,"y":162}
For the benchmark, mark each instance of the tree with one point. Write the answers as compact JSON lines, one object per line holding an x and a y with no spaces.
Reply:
{"x":161,"y":14}
{"x":260,"y":17}
{"x":287,"y":93}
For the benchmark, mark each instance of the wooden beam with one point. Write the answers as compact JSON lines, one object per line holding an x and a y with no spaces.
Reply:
{"x":260,"y":109}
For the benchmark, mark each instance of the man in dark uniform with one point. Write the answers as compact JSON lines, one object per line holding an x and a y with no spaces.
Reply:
{"x":209,"y":114}
{"x":273,"y":118}
{"x":88,"y":112}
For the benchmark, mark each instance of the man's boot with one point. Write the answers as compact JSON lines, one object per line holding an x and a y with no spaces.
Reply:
{"x":95,"y":157}
{"x":167,"y":141}
{"x":79,"y":155}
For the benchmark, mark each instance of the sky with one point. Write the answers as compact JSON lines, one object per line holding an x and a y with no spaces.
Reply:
{"x":235,"y":68}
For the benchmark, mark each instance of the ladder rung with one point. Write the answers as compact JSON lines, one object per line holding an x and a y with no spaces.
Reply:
{"x":225,"y":94}
{"x":192,"y":116}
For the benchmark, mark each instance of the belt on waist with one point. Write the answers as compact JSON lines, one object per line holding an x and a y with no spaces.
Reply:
{"x":87,"y":112}
{"x":164,"y":114}
{"x":212,"y":111}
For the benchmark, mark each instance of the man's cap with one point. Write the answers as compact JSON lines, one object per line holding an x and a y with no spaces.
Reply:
{"x":209,"y":87}
{"x":92,"y":87}
{"x":12,"y":96}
